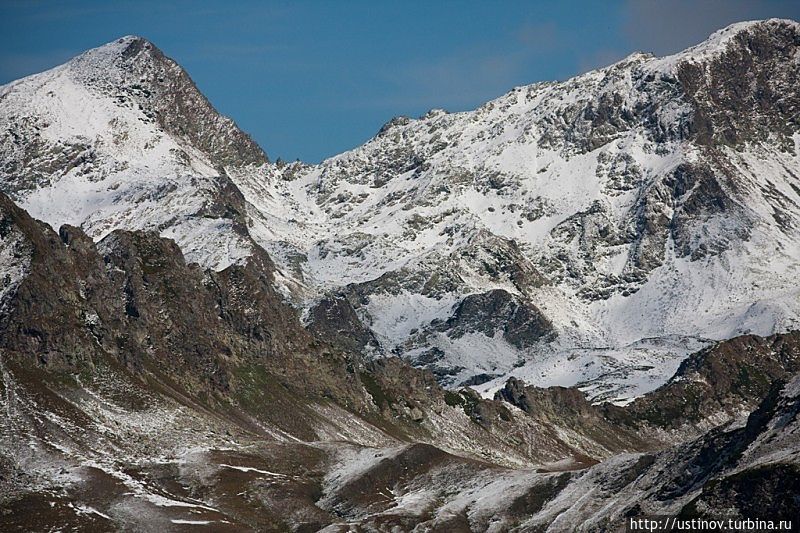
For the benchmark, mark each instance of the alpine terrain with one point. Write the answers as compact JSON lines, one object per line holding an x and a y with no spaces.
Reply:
{"x":575,"y":305}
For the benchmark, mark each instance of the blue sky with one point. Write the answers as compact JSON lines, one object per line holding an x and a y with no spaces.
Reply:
{"x":311,"y":79}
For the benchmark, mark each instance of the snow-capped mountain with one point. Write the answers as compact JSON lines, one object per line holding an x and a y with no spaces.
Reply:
{"x":593,"y":231}
{"x":627,"y":213}
{"x":120,"y":137}
{"x":604,"y":232}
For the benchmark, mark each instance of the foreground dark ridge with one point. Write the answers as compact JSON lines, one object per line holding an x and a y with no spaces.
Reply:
{"x":128,"y":373}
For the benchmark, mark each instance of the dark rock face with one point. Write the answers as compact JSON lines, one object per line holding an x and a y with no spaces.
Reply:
{"x":35,"y":160}
{"x":48,"y":324}
{"x":760,"y":492}
{"x":719,"y":452}
{"x":227,"y":203}
{"x":567,"y":407}
{"x":724,"y":474}
{"x":133,"y":299}
{"x":520,"y":322}
{"x":700,"y":194}
{"x":676,"y":207}
{"x":500,"y":260}
{"x":513,"y":316}
{"x":552,"y":399}
{"x":169,"y":96}
{"x":717,"y":383}
{"x":335,"y":320}
{"x":167,"y":312}
{"x":748,"y":93}
{"x":496,"y":258}
{"x":626,"y":97}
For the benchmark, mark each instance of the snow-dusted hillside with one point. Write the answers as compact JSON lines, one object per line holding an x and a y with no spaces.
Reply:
{"x":119,"y":137}
{"x":652,"y":199}
{"x":593,"y":231}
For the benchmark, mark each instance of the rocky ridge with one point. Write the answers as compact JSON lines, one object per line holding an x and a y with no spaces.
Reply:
{"x":618,"y":205}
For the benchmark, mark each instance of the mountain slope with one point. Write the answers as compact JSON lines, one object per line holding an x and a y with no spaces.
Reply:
{"x":630,"y":234}
{"x":137,"y":388}
{"x":637,"y":210}
{"x":620,"y":220}
{"x":120,"y":137}
{"x":748,"y":471}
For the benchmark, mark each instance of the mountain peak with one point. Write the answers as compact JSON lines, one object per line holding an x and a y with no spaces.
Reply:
{"x":123,"y":43}
{"x":133,"y":71}
{"x":118,"y":53}
{"x":720,"y":38}
{"x":738,"y":27}
{"x":127,"y":122}
{"x":719,"y":41}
